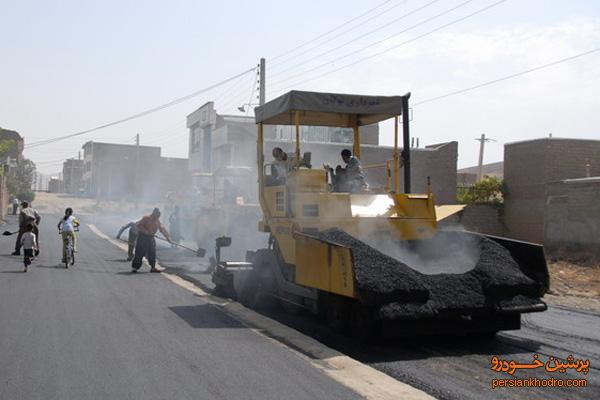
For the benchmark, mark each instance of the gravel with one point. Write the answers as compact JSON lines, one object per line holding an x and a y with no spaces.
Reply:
{"x":406,"y":293}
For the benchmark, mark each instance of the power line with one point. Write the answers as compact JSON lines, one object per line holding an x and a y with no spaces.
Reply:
{"x":329,"y":51}
{"x":276,"y":64}
{"x":418,"y":24}
{"x":507,"y":77}
{"x":141,"y":114}
{"x":396,"y":46}
{"x":330,"y":31}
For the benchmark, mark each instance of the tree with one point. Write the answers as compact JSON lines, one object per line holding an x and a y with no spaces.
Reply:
{"x":490,"y":190}
{"x":19,"y":183}
{"x":6,"y":147}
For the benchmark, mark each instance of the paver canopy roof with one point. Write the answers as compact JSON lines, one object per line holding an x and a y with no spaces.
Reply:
{"x":328,"y":109}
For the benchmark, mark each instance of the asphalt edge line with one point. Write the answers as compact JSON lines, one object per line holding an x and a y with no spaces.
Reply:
{"x":361,"y":378}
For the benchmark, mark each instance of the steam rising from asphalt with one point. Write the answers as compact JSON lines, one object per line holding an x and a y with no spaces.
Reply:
{"x":446,"y":253}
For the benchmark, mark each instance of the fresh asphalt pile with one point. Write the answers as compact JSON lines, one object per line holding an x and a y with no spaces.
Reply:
{"x":378,"y":277}
{"x":404,"y":293}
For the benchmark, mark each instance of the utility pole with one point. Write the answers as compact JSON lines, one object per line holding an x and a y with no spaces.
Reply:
{"x":137,"y":169}
{"x":261,"y":87}
{"x":71,"y":176}
{"x":481,"y":141}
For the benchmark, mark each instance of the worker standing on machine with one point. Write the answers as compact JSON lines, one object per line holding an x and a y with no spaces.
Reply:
{"x":131,"y":239}
{"x":146,"y":244}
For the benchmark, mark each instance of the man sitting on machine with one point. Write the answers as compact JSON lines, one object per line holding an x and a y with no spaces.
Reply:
{"x":280,"y":167}
{"x":351,"y":178}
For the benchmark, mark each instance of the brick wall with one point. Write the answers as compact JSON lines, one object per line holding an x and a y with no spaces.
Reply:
{"x":572,"y":220}
{"x":482,"y":218}
{"x":529,"y":166}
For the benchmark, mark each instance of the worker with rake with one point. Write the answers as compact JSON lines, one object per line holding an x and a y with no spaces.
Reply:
{"x":146,"y":243}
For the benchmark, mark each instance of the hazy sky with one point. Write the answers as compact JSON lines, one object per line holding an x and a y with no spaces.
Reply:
{"x":66,"y":66}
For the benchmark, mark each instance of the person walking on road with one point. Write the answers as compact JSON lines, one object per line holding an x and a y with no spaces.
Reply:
{"x":146,"y":244}
{"x":27,"y":216}
{"x":29,"y":243}
{"x":131,"y":239}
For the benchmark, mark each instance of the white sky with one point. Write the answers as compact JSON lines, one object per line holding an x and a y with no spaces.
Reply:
{"x":71,"y":65}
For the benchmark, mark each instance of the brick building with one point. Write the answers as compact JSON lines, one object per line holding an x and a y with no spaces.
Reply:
{"x":529,"y":166}
{"x":217,"y":142}
{"x":128,"y":171}
{"x":572,"y":217}
{"x":72,"y":174}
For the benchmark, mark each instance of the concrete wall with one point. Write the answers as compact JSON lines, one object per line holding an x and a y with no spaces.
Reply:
{"x":482,"y":218}
{"x":572,"y":221}
{"x":529,"y":166}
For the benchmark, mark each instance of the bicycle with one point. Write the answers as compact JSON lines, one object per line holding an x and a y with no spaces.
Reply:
{"x":69,"y":249}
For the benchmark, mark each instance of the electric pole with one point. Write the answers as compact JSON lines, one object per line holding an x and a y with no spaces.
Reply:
{"x":261,"y":87}
{"x":137,"y":169}
{"x":481,"y":141}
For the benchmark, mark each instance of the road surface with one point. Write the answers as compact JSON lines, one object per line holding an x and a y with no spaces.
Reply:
{"x":96,"y":331}
{"x":448,"y":368}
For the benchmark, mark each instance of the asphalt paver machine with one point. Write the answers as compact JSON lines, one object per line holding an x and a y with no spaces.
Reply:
{"x":374,"y":262}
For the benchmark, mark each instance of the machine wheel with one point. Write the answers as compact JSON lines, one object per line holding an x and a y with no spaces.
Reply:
{"x":337,"y":313}
{"x":260,"y":285}
{"x":364,"y":326}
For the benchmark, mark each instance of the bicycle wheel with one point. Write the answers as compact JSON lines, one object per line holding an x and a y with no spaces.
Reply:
{"x":68,"y":253}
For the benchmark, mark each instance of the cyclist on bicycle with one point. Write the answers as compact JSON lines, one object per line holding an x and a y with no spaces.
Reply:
{"x":67,"y":227}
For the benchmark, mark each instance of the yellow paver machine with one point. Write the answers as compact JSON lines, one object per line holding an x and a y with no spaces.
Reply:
{"x":374,"y":262}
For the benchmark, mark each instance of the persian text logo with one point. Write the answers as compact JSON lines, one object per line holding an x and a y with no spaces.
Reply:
{"x":552,"y":365}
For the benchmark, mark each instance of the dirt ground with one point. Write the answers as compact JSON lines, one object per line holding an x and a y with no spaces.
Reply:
{"x":574,"y":285}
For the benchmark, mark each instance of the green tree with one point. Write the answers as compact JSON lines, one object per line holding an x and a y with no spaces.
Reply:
{"x":6,"y":146}
{"x":19,"y":183}
{"x":490,"y":190}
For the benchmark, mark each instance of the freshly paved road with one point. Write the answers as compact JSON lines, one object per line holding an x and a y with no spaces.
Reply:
{"x":96,"y":331}
{"x":452,"y":369}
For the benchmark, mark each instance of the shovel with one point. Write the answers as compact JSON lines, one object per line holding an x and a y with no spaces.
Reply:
{"x":7,"y":233}
{"x":200,"y":252}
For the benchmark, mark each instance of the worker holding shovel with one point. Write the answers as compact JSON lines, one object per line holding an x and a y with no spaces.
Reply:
{"x":146,"y":244}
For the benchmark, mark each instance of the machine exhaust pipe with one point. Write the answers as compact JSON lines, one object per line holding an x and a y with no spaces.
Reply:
{"x":406,"y":140}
